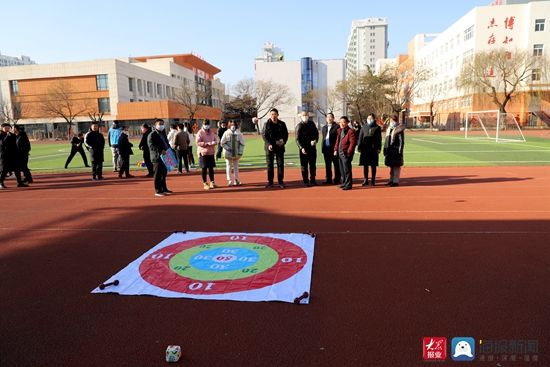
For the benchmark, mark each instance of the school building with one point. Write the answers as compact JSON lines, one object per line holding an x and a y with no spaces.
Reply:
{"x":132,"y":90}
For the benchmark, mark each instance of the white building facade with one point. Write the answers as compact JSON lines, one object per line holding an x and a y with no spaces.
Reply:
{"x":301,"y":77}
{"x":514,"y":27}
{"x":367,"y":42}
{"x":127,"y":89}
{"x":6,"y":60}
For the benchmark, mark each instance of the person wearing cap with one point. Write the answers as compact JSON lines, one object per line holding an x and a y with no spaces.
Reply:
{"x":124,"y":151}
{"x":114,"y":134}
{"x":77,"y":143}
{"x":8,"y":152}
{"x":158,"y":145}
{"x":95,"y":142}
{"x":307,"y":136}
{"x":206,"y":143}
{"x":143,"y":146}
{"x":23,"y":146}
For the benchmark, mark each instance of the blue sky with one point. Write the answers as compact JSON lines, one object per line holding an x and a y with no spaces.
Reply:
{"x":228,"y":34}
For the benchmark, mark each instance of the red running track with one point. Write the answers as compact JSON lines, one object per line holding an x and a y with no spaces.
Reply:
{"x":451,"y":252}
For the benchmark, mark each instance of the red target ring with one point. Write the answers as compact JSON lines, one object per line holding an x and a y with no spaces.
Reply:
{"x":156,"y":269}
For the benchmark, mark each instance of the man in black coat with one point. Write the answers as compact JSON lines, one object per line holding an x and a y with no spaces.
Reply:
{"x":369,"y":144}
{"x":307,"y":136}
{"x":329,"y":132}
{"x":275,"y":135}
{"x":8,"y":156}
{"x":77,"y":143}
{"x":158,"y":145}
{"x":124,"y":151}
{"x":23,"y":146}
{"x":145,"y":131}
{"x":95,"y":141}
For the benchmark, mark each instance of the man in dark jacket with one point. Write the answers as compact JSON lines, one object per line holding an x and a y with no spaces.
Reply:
{"x":124,"y":151}
{"x":95,"y":142}
{"x":307,"y":136}
{"x":182,"y":149}
{"x":145,"y":131}
{"x":77,"y":143}
{"x":8,"y":156}
{"x":221,"y":131}
{"x":275,"y":135}
{"x":158,"y":145}
{"x":329,"y":141}
{"x":344,"y":149}
{"x":23,"y":146}
{"x":369,"y":144}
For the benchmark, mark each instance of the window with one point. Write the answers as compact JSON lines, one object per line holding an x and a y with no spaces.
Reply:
{"x":159,"y":90}
{"x":537,"y":49}
{"x":102,"y":82}
{"x":140,"y":87}
{"x":103,"y":105}
{"x":539,"y":25}
{"x":468,"y":55}
{"x":536,"y":75}
{"x":131,"y":83}
{"x":149,"y":87}
{"x":14,"y":87}
{"x":469,"y":33}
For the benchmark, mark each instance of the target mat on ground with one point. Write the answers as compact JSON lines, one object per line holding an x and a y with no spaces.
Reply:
{"x":221,"y":266}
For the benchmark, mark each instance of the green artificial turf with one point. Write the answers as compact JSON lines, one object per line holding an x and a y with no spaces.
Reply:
{"x":421,"y":150}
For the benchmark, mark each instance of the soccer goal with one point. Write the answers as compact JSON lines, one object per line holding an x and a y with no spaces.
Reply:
{"x":493,"y":125}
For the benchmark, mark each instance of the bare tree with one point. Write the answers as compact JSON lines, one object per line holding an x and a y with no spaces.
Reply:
{"x":500,"y":74}
{"x":61,"y":101}
{"x":402,"y":82}
{"x":96,"y":117}
{"x":10,"y":112}
{"x":354,"y":91}
{"x":324,"y":101}
{"x":435,"y":93}
{"x":193,"y":99}
{"x":261,"y":96}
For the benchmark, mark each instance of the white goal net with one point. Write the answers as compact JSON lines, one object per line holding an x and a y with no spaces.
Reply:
{"x":493,"y":125}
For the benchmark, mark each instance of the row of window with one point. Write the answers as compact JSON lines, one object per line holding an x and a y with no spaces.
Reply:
{"x":149,"y":88}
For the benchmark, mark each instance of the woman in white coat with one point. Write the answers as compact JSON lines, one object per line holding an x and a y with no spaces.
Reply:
{"x":232,"y":143}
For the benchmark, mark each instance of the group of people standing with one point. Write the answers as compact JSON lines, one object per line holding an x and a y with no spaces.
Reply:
{"x":339,"y":143}
{"x":14,"y":155}
{"x":338,"y":146}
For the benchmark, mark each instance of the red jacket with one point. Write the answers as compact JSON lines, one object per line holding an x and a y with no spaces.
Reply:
{"x":348,"y":142}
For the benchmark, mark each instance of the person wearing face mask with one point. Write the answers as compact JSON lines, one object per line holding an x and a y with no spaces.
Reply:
{"x":95,"y":142}
{"x":206,"y":143}
{"x":232,"y":143}
{"x":158,"y":145}
{"x":307,"y":136}
{"x":275,"y":136}
{"x":344,"y":150}
{"x":125,"y":151}
{"x":369,"y":144}
{"x":329,"y":141}
{"x":393,"y":149}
